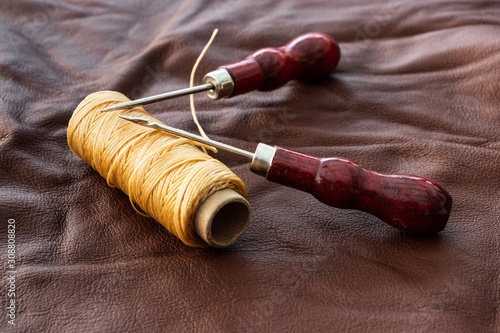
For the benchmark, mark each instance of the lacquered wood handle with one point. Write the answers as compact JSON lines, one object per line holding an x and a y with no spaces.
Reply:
{"x":306,"y":57}
{"x":414,"y":204}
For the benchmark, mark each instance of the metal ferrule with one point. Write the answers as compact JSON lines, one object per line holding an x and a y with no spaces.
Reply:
{"x":263,"y":158}
{"x":222,"y":81}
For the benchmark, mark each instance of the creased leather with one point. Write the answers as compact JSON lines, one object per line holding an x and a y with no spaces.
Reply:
{"x":416,"y":91}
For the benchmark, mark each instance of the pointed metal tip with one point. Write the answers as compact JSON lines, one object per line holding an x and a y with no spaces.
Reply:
{"x":120,"y":106}
{"x":111,"y":108}
{"x":160,"y":97}
{"x":136,"y":120}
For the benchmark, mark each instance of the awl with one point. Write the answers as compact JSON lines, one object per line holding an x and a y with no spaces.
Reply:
{"x":414,"y":204}
{"x":307,"y":57}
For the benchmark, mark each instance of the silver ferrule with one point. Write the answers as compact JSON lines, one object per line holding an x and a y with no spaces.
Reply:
{"x":262,"y":159}
{"x":222,"y":82}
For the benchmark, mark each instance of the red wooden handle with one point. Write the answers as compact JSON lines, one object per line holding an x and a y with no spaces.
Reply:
{"x":413,"y":204}
{"x":306,"y":57}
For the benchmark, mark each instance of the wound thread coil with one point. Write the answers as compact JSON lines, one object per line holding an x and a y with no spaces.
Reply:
{"x":167,"y":177}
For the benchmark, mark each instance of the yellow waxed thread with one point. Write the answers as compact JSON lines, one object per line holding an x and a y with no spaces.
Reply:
{"x":166,"y":176}
{"x":191,"y":82}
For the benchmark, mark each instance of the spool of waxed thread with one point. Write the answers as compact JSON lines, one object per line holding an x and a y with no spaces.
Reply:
{"x":196,"y":197}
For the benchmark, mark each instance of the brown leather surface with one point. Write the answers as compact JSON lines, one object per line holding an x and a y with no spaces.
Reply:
{"x":416,"y":91}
